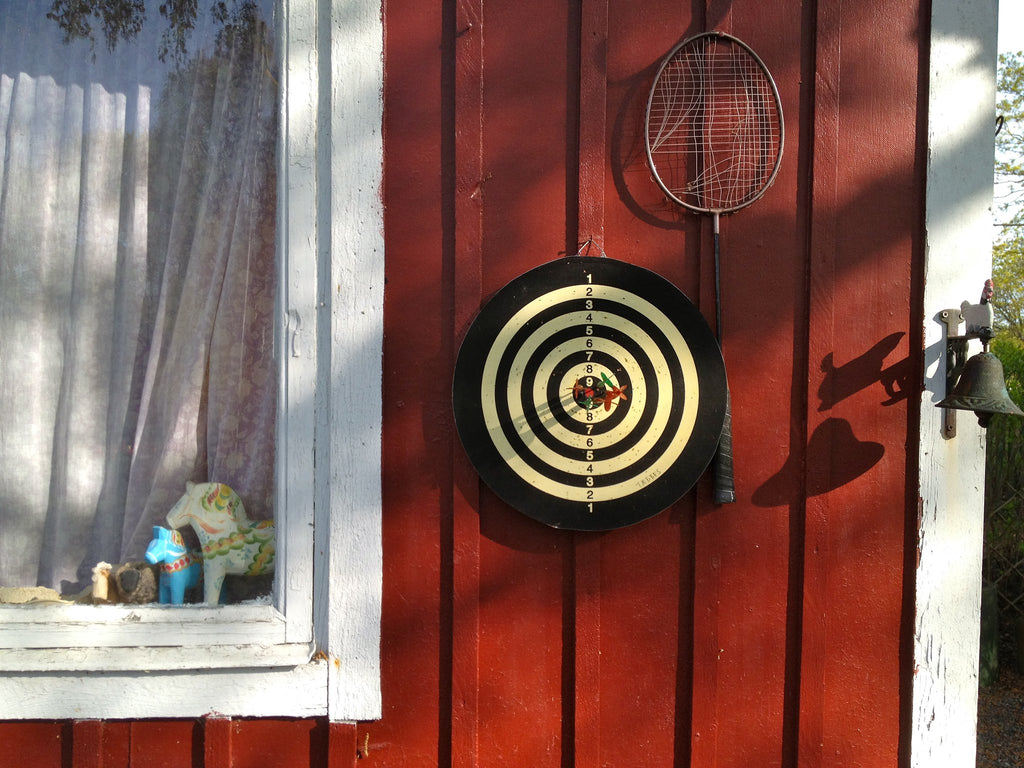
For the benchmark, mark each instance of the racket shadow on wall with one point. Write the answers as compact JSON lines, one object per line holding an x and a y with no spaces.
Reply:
{"x":713,"y":134}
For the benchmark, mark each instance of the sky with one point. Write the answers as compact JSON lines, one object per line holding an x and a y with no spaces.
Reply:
{"x":1011,"y":40}
{"x":1011,"y":25}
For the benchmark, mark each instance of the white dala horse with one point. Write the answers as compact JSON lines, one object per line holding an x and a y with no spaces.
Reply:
{"x":231,"y":543}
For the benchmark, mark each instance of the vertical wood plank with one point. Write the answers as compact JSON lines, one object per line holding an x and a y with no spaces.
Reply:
{"x":351,"y":519}
{"x":710,"y":531}
{"x":643,"y":652}
{"x":280,"y":742}
{"x":647,"y":596}
{"x":950,"y":538}
{"x":866,"y":209}
{"x":416,"y":466}
{"x":463,"y":251}
{"x":586,"y":644}
{"x":344,"y":748}
{"x":522,"y":563}
{"x":741,"y":564}
{"x":100,"y":743}
{"x":35,"y":743}
{"x":822,"y":246}
{"x":162,"y":743}
{"x":592,"y":151}
{"x":586,"y":746}
{"x":217,"y":742}
{"x":87,"y":744}
{"x":297,"y":306}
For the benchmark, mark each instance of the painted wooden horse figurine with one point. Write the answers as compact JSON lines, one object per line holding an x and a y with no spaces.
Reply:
{"x":231,"y":543}
{"x":179,"y":568}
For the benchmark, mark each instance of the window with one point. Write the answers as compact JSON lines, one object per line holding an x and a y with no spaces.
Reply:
{"x":137,"y":274}
{"x":312,"y":648}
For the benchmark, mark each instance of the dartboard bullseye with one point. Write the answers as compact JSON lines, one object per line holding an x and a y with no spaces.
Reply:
{"x":589,"y":393}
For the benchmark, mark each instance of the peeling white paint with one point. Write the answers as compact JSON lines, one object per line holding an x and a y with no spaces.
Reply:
{"x":958,"y":247}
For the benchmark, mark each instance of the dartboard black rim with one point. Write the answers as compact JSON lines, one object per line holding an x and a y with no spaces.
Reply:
{"x":650,"y":434}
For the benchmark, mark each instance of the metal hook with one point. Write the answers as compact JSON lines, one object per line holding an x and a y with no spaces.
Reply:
{"x":586,"y":245}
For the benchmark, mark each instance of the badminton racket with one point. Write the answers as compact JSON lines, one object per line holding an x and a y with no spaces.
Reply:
{"x":714,"y":135}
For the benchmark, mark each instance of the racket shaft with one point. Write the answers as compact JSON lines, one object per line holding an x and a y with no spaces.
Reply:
{"x":724,"y":489}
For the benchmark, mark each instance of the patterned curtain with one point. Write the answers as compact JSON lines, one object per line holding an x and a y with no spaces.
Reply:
{"x":137,"y":277}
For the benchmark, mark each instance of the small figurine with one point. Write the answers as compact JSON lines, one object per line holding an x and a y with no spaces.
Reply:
{"x":179,"y":568}
{"x":231,"y":543}
{"x":101,"y":582}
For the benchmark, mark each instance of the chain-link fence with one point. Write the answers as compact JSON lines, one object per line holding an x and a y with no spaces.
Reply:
{"x":1004,"y":553}
{"x":1003,"y":568}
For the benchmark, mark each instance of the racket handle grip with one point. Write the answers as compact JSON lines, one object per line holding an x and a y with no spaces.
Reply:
{"x":724,"y":490}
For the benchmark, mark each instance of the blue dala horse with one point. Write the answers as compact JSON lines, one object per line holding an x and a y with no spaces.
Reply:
{"x":179,"y":568}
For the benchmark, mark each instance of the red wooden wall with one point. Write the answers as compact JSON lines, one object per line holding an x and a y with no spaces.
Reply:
{"x":771,"y":632}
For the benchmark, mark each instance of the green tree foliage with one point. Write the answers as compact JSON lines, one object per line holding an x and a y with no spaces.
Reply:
{"x":1008,"y":277}
{"x":1004,"y":468}
{"x":1009,"y":161}
{"x":1004,"y":476}
{"x":122,"y":20}
{"x":1010,"y":351}
{"x":118,"y":19}
{"x":1008,"y":252}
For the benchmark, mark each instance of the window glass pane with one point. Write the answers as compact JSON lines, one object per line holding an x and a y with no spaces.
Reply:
{"x":137,"y":277}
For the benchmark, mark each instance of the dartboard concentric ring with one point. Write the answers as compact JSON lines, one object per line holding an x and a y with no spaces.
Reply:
{"x":589,"y":393}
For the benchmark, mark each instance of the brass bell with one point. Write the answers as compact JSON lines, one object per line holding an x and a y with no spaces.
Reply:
{"x":982,"y":389}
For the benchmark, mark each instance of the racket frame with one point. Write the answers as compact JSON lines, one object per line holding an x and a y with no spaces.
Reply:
{"x":777,"y":102}
{"x":724,"y":487}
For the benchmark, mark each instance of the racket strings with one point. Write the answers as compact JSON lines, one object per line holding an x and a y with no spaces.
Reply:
{"x":713,"y":126}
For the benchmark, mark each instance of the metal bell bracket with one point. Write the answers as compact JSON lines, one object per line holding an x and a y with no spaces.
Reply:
{"x":979,"y":319}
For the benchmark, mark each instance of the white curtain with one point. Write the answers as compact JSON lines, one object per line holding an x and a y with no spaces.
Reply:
{"x":137,"y":207}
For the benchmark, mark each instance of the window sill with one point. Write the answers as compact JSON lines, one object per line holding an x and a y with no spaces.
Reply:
{"x":122,"y":626}
{"x":121,"y":638}
{"x":301,"y":691}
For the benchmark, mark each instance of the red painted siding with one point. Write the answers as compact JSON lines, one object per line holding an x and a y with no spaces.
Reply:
{"x":211,"y":743}
{"x":766,"y":632}
{"x":771,"y":632}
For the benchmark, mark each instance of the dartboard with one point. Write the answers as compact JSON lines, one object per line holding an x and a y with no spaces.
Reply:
{"x":589,"y":393}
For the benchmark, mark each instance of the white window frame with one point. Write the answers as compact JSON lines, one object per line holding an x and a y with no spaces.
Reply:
{"x":315,"y":650}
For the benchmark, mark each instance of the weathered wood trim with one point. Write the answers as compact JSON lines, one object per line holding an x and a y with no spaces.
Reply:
{"x":349,"y":524}
{"x":126,"y":626}
{"x":958,"y":235}
{"x":297,"y":308}
{"x":165,"y":659}
{"x":292,"y":692}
